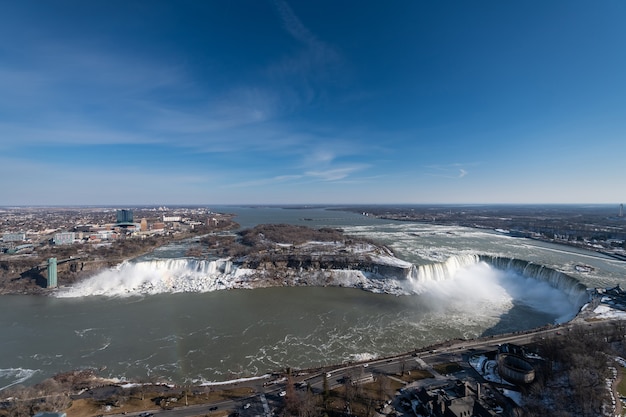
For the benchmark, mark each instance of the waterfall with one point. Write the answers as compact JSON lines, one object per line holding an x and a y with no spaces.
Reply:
{"x":576,"y":291}
{"x":194,"y":275}
{"x":441,"y":271}
{"x":424,"y":274}
{"x":190,"y":266}
{"x":159,"y":276}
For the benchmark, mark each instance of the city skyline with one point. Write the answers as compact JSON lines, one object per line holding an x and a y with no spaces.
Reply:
{"x":276,"y":102}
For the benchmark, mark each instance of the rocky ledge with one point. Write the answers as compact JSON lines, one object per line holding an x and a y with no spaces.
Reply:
{"x":288,"y":255}
{"x":265,"y":256}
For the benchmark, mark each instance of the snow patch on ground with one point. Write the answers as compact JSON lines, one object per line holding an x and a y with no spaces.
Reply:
{"x":606,"y":312}
{"x":488,"y":369}
{"x":235,"y":381}
{"x":391,"y":260}
{"x":513,"y":395}
{"x":14,"y":376}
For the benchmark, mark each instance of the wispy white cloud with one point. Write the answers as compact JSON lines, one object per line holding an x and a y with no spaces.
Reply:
{"x":324,"y":156}
{"x":294,"y":26}
{"x":236,"y":109}
{"x":335,"y":174}
{"x":97,"y":66}
{"x":308,"y":70}
{"x":327,"y":172}
{"x":50,"y":182}
{"x":452,"y":171}
{"x":264,"y":181}
{"x":244,"y":105}
{"x":87,"y":92}
{"x":69,"y":93}
{"x":70,"y":78}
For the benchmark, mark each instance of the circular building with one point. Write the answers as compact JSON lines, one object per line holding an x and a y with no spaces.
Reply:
{"x":515,"y":369}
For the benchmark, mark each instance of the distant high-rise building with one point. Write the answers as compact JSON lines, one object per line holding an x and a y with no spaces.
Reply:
{"x":124,"y":217}
{"x":621,"y":210}
{"x":52,"y":273}
{"x":143,"y":225}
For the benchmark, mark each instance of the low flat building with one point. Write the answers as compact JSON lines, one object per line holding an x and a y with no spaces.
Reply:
{"x":14,"y":237}
{"x":64,"y":238}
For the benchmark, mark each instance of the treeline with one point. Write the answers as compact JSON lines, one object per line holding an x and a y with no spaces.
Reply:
{"x":572,"y":379}
{"x":349,"y":399}
{"x":52,"y":394}
{"x":269,"y":236}
{"x":288,"y":234}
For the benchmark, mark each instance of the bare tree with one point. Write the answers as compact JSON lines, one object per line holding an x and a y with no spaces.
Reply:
{"x":350,"y":391}
{"x":369,"y":406}
{"x":308,"y":406}
{"x":59,"y":401}
{"x":292,"y":402}
{"x":402,"y":366}
{"x":384,"y":387}
{"x":326,"y":390}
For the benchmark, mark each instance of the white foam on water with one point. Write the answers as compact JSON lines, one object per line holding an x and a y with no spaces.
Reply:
{"x":14,"y":376}
{"x":478,"y":288}
{"x":362,"y":357}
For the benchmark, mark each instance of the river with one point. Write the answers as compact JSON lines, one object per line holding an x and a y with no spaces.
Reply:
{"x":220,"y":335}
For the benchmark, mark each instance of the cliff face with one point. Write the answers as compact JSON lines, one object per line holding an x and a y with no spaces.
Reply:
{"x":19,"y":276}
{"x":337,"y":255}
{"x":270,"y":275}
{"x":346,"y":265}
{"x":308,"y":262}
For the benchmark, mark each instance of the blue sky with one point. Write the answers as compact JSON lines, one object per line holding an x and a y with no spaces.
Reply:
{"x":276,"y":102}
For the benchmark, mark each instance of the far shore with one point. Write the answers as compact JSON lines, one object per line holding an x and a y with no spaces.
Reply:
{"x":26,"y":274}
